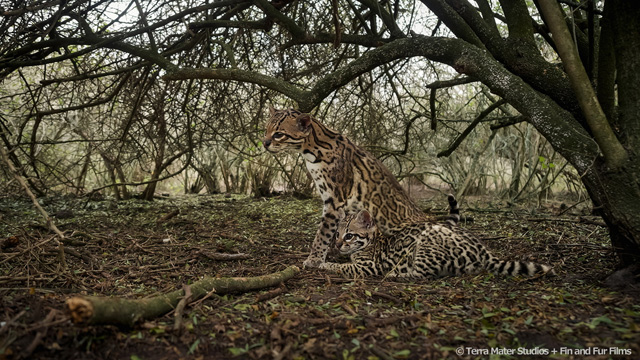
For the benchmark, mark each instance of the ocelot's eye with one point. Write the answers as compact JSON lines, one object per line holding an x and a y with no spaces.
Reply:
{"x":348,"y":236}
{"x":279,"y":136}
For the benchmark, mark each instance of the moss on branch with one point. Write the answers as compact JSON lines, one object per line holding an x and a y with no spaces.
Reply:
{"x":119,"y":311}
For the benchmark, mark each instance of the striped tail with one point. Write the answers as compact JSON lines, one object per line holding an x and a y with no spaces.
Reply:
{"x":513,"y":268}
{"x":454,"y":211}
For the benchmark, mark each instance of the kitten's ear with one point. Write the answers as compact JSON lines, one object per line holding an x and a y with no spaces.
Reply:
{"x":341,"y":214}
{"x":304,"y":122}
{"x":365,"y":219}
{"x":272,"y":110}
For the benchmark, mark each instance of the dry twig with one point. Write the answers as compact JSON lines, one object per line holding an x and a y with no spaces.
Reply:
{"x":42,"y":212}
{"x":180,"y":308}
{"x":225,"y":257}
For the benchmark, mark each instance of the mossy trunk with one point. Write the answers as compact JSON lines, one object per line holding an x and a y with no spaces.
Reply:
{"x":616,"y":197}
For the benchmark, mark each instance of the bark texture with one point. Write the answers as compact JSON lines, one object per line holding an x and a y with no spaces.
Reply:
{"x":119,"y":311}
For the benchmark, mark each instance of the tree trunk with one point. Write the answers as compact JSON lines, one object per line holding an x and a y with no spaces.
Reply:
{"x":616,"y":197}
{"x":150,"y":189}
{"x":617,"y":194}
{"x":112,"y":176}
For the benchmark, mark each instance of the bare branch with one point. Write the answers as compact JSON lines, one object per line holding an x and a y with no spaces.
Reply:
{"x":454,"y":145}
{"x":50,"y":224}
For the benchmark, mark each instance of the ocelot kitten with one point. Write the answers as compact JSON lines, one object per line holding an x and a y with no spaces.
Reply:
{"x":346,"y":176}
{"x":416,"y":250}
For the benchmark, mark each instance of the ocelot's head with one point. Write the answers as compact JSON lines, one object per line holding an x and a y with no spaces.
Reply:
{"x":355,"y":232}
{"x":286,"y":130}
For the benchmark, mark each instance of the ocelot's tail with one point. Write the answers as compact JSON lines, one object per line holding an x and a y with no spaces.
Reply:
{"x":454,"y":211}
{"x":513,"y":268}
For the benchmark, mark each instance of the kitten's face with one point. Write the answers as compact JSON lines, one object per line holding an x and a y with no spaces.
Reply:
{"x":355,"y":232}
{"x":286,"y":130}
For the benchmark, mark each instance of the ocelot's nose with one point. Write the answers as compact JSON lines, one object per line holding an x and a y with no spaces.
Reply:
{"x":338,"y":243}
{"x":266,"y":143}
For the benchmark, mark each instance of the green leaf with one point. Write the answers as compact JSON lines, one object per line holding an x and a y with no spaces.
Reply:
{"x":402,"y":353}
{"x":239,"y":351}
{"x":529,"y":320}
{"x":602,"y":319}
{"x":193,"y":347}
{"x":242,"y":307}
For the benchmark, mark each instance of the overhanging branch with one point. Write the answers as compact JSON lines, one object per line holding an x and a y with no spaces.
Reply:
{"x":269,"y":82}
{"x":546,"y":115}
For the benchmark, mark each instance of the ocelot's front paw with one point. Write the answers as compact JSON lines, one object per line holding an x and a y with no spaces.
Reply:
{"x":312,"y":262}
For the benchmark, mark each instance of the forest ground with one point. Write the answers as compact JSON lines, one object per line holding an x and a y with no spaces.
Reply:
{"x":127,"y":249}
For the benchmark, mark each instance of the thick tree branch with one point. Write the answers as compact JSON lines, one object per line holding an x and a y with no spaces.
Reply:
{"x":111,"y":310}
{"x":606,"y":78}
{"x":545,"y":114}
{"x":518,"y":20}
{"x":508,"y":122}
{"x":613,"y":151}
{"x":238,"y":75}
{"x":489,"y":16}
{"x":626,"y":27}
{"x":285,"y":21}
{"x":451,"y":82}
{"x":519,"y":57}
{"x":386,"y":17}
{"x":480,"y":27}
{"x":453,"y":21}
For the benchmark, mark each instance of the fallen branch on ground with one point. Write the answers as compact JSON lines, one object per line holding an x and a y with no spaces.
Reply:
{"x":118,"y":311}
{"x":580,"y":220}
{"x":180,"y":308}
{"x":387,"y":297}
{"x":225,"y":256}
{"x":168,"y":217}
{"x":271,"y":294}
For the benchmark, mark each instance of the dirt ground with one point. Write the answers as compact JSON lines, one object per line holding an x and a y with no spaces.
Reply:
{"x":130,"y":249}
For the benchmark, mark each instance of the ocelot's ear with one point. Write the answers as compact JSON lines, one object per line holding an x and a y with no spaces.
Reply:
{"x":364,"y":218}
{"x":272,"y":111}
{"x":341,"y":214}
{"x":304,"y":122}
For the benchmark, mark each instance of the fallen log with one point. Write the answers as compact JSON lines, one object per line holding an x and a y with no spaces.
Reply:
{"x":119,"y":311}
